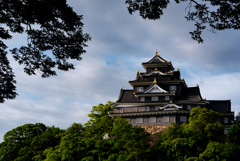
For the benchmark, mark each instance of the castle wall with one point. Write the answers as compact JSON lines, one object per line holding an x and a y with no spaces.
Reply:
{"x":146,"y":122}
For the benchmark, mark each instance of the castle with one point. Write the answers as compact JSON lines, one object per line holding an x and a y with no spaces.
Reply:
{"x":160,"y":96}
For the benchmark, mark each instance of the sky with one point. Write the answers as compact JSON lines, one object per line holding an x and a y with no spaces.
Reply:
{"x":120,"y":42}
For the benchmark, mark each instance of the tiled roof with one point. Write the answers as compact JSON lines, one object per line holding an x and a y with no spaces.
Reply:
{"x":222,"y":106}
{"x":156,"y":60}
{"x":127,"y":96}
{"x":189,"y":94}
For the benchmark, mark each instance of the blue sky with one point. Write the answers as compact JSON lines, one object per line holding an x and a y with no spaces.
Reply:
{"x":120,"y":42}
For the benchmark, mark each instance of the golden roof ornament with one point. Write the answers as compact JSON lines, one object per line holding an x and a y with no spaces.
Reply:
{"x":197,"y":85}
{"x":175,"y":109}
{"x":134,"y":93}
{"x":155,"y":69}
{"x":170,"y":101}
{"x":155,"y":81}
{"x":178,"y":69}
{"x":122,"y":88}
{"x":138,"y":72}
{"x":205,"y":99}
{"x":128,"y":81}
{"x":156,"y":53}
{"x":183,"y":79}
{"x":141,"y":62}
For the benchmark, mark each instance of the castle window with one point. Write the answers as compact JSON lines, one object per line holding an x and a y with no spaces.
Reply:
{"x":152,"y":119}
{"x":142,"y":99}
{"x":156,"y":107}
{"x":165,"y":119}
{"x":121,"y":110}
{"x":173,"y":88}
{"x":225,"y":120}
{"x":183,"y":118}
{"x":135,"y":109}
{"x":199,"y":106}
{"x":147,"y":108}
{"x":139,"y":120}
{"x":154,"y":98}
{"x":140,"y":89}
{"x":167,"y":98}
{"x":189,"y":107}
{"x":225,"y":131}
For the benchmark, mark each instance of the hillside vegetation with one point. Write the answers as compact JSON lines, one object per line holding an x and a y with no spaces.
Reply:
{"x":113,"y":139}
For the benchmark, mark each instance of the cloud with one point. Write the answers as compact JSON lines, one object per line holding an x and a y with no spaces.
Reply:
{"x":120,"y":42}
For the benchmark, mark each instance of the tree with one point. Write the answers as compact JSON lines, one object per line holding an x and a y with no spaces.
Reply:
{"x":128,"y":142}
{"x":57,"y":29}
{"x":124,"y":143}
{"x":218,"y":14}
{"x":71,"y":146}
{"x":187,"y":141}
{"x":220,"y":152}
{"x":80,"y":143}
{"x":99,"y":124}
{"x":28,"y":142}
{"x":233,"y":134}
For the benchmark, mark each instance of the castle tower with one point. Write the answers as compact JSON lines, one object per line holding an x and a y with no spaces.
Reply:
{"x":160,"y":96}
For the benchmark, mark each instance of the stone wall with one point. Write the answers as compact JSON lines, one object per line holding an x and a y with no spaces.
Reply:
{"x":155,"y":129}
{"x":155,"y":132}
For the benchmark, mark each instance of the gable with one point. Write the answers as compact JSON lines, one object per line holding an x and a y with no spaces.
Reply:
{"x":155,"y":89}
{"x":157,"y":72}
{"x":157,"y":59}
{"x":170,"y":106}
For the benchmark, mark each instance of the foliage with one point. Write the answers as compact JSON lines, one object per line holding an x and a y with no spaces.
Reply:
{"x":233,"y":134}
{"x":58,"y":30}
{"x":80,"y":143}
{"x":27,"y":141}
{"x":128,"y":142}
{"x":99,"y":124}
{"x":185,"y":141}
{"x":71,"y":146}
{"x":200,"y":140}
{"x":218,"y":14}
{"x":98,"y":112}
{"x":124,"y":142}
{"x":216,"y":151}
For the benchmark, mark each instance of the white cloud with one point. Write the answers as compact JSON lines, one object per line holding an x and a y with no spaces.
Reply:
{"x":120,"y":42}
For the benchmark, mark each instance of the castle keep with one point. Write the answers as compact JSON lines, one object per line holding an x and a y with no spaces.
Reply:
{"x":160,"y":96}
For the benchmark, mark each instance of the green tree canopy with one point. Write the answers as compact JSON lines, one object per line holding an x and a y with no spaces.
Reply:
{"x":70,"y":148}
{"x":180,"y":142}
{"x":217,"y":14}
{"x":124,"y":142}
{"x":80,"y":143}
{"x":57,"y":29}
{"x":233,"y":134}
{"x":202,"y":139}
{"x":220,"y":152}
{"x":28,"y":141}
